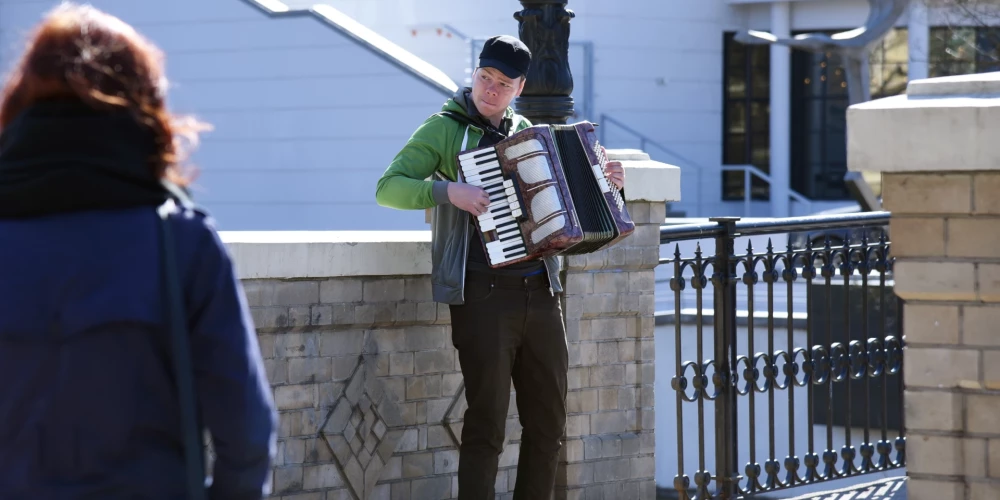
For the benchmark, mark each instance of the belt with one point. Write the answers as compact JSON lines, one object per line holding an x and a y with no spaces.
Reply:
{"x":536,"y":280}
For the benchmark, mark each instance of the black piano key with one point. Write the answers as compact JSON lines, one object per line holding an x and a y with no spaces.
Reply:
{"x":507,"y":250}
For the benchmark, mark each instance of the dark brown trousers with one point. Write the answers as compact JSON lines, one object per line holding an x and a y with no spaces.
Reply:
{"x":510,"y":328}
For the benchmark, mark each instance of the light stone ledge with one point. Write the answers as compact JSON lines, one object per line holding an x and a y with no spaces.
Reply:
{"x":940,"y":125}
{"x":331,"y":254}
{"x":326,"y":254}
{"x":646,"y":179}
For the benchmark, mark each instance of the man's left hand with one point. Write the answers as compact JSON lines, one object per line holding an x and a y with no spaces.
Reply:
{"x":615,"y":172}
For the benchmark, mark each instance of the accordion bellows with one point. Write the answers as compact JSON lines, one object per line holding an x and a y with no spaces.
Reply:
{"x":548,"y":194}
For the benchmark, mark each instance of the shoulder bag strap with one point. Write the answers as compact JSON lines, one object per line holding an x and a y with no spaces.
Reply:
{"x":181,"y":357}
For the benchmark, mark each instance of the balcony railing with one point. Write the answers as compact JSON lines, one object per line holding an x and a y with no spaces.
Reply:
{"x":660,"y":152}
{"x":750,"y":171}
{"x":762,"y":407}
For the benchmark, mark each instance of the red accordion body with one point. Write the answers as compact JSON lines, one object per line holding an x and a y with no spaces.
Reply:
{"x":548,"y":194}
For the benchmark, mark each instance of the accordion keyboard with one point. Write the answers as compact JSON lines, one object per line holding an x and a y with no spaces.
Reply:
{"x":548,"y":194}
{"x":482,"y":169}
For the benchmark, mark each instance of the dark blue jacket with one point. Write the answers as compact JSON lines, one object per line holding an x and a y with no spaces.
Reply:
{"x":87,"y":405}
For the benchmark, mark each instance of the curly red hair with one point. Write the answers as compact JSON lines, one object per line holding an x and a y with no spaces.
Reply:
{"x":80,"y":52}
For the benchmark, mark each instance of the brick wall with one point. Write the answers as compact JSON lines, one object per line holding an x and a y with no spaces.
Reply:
{"x":370,"y":393}
{"x":363,"y":373}
{"x":946,"y":239}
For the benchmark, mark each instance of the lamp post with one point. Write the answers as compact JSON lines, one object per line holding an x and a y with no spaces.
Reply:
{"x":543,"y":25}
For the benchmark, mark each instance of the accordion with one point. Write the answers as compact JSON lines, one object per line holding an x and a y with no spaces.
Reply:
{"x":548,"y":194}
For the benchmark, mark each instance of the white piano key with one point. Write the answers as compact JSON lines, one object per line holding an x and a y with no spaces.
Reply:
{"x":484,"y":178}
{"x":507,"y":254}
{"x":504,"y":247}
{"x":487,"y":177}
{"x":485,"y":164}
{"x":503,"y":220}
{"x":478,"y":154}
{"x":471,"y":170}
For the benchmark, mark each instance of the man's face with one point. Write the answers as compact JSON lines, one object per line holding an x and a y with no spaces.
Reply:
{"x":492,"y":91}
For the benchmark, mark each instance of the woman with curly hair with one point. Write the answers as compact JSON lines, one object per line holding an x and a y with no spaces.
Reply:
{"x":124,"y":333}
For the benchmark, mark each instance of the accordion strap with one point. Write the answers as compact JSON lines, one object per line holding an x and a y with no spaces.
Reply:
{"x":460,"y":118}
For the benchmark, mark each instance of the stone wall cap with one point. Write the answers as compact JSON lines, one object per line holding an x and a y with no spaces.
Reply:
{"x":627,"y":154}
{"x":328,"y":254}
{"x":942,"y":124}
{"x":350,"y":237}
{"x":981,"y":85}
{"x":646,"y":179}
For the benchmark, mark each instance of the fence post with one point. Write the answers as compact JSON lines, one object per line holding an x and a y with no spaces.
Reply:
{"x":724,"y":305}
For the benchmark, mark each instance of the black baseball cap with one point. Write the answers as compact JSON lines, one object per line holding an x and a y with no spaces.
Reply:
{"x":507,"y":54}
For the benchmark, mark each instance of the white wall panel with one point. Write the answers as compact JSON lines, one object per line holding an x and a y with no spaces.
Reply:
{"x":305,"y":118}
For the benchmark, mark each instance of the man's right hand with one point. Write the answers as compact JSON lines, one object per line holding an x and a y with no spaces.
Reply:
{"x":470,"y":198}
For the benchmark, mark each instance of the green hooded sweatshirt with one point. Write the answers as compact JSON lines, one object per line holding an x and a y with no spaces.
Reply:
{"x":418,"y":179}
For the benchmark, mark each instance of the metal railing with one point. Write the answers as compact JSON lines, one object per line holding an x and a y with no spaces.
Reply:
{"x":847,"y":364}
{"x":645,"y":142}
{"x":750,"y":171}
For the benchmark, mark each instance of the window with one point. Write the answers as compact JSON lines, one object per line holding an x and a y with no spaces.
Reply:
{"x":963,"y":50}
{"x":819,"y":112}
{"x":889,"y":64}
{"x":819,"y":103}
{"x":819,"y":106}
{"x":746,"y":113}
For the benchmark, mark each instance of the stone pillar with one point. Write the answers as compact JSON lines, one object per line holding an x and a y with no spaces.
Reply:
{"x":368,"y":384}
{"x":609,"y":304}
{"x":936,"y":148}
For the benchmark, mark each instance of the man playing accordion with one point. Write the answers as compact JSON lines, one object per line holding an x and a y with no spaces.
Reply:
{"x":507,"y":322}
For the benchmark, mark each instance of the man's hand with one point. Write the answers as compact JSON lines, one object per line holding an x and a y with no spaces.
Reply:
{"x":614,"y":171}
{"x":470,"y":198}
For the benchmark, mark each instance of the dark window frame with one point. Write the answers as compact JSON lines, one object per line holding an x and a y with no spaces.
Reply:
{"x":977,"y":61}
{"x":801,"y":157}
{"x":810,"y":148}
{"x":732,"y":182}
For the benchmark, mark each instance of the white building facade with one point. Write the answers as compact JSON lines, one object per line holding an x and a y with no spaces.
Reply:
{"x":310,"y":102}
{"x":667,"y":76}
{"x":306,"y":114}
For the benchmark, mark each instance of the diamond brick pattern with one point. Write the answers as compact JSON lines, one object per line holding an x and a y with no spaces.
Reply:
{"x":363,"y":429}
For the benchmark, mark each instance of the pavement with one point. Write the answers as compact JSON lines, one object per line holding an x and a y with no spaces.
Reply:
{"x":893,"y":488}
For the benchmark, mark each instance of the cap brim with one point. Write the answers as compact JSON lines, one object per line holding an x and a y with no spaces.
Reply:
{"x":504,"y":68}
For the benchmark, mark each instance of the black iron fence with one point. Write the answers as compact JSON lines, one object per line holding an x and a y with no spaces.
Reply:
{"x":769,"y":399}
